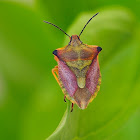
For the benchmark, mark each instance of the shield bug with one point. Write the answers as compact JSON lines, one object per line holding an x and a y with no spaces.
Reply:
{"x":77,"y":72}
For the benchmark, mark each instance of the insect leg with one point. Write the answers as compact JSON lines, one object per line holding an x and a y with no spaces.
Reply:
{"x":64,"y":98}
{"x":72,"y":107}
{"x":55,"y":73}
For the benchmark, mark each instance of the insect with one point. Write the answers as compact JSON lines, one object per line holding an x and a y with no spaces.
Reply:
{"x":77,"y":72}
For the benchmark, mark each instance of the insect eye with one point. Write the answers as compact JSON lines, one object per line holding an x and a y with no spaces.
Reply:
{"x":99,"y":49}
{"x":55,"y":52}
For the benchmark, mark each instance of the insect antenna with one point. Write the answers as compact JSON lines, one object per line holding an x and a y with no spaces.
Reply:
{"x":87,"y":23}
{"x":57,"y":27}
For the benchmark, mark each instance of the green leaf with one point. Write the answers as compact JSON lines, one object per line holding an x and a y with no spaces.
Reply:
{"x":130,"y":130}
{"x":115,"y":30}
{"x":23,"y":46}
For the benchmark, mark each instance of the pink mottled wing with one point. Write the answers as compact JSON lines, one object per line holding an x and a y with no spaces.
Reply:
{"x":68,"y":78}
{"x":92,"y":76}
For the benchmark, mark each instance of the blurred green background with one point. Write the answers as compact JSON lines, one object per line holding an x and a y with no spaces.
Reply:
{"x":31,"y":102}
